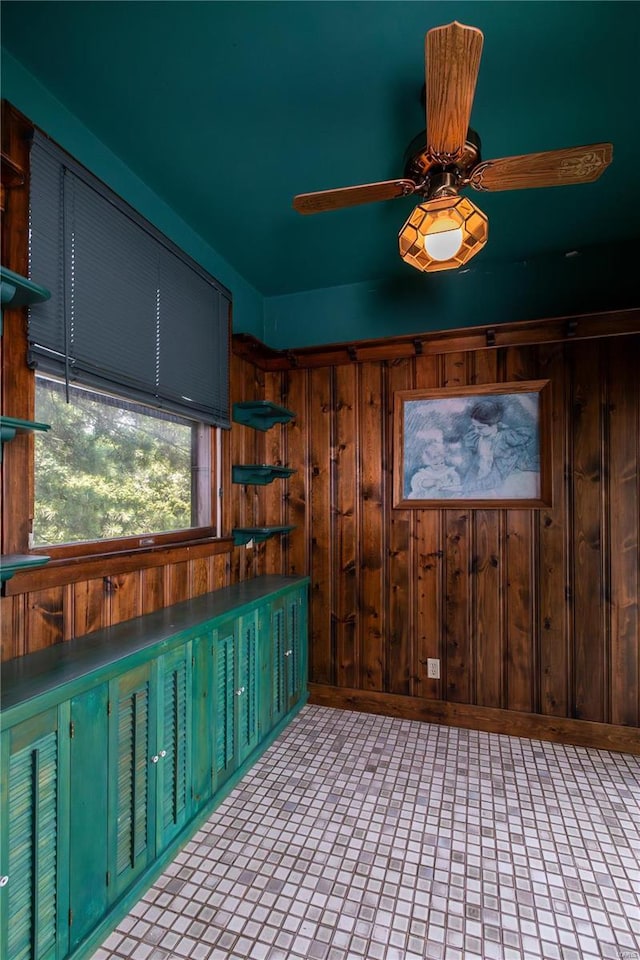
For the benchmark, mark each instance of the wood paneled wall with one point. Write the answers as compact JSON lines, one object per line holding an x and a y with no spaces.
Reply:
{"x":530,"y":612}
{"x":40,"y":618}
{"x":534,"y":611}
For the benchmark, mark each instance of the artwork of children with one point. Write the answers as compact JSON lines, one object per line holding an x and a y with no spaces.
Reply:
{"x":472,"y":447}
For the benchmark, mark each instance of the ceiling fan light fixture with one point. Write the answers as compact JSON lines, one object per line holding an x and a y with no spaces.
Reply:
{"x":444,"y":239}
{"x":443,"y":234}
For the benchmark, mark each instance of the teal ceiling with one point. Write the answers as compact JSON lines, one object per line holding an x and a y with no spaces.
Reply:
{"x":226,"y":110}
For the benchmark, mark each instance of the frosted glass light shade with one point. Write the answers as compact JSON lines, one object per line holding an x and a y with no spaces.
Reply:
{"x":443,"y":244}
{"x":443,"y":234}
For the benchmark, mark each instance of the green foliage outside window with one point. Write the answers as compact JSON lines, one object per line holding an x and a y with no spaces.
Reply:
{"x":107,"y":469}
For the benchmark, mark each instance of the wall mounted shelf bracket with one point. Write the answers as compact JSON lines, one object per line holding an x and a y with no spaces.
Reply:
{"x":9,"y":426}
{"x":243,"y":535}
{"x":260,"y":414}
{"x":12,"y":563}
{"x":18,"y":291}
{"x":259,"y":474}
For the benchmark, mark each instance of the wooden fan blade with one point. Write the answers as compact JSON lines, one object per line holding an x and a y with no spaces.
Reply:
{"x":352,"y":196}
{"x":554,"y":168}
{"x":452,"y":56}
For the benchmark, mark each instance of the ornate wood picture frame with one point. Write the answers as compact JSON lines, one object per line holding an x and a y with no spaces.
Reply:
{"x":486,"y":446}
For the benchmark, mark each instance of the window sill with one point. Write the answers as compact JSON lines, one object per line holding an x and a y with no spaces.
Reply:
{"x":63,"y":570}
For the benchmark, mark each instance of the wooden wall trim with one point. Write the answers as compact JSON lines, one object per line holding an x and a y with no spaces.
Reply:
{"x":521,"y":333}
{"x":582,"y":733}
{"x":61,"y":572}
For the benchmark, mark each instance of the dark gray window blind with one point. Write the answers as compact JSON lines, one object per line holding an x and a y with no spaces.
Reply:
{"x":129,"y":313}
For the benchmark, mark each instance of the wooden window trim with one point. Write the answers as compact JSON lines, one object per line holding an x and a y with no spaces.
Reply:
{"x":74,"y":561}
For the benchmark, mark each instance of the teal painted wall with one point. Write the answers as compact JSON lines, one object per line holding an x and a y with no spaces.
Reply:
{"x":21,"y":89}
{"x":598,"y":278}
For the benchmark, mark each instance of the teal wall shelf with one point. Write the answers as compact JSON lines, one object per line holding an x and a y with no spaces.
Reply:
{"x":12,"y":563}
{"x":243,"y":535}
{"x":18,"y":291}
{"x":9,"y":426}
{"x":260,"y":414}
{"x":259,"y":474}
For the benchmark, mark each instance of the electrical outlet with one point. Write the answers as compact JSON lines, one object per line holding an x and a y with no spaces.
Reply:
{"x":433,"y":668}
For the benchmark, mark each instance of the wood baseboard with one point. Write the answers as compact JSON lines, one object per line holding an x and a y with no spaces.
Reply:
{"x":581,"y":733}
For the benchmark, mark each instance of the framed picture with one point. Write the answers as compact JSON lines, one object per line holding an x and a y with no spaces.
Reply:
{"x":482,"y":446}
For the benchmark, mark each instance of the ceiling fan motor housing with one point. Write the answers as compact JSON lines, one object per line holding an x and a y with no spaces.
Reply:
{"x":421,"y":166}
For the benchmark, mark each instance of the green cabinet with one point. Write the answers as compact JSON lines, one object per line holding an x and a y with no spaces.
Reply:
{"x":150,"y":763}
{"x":203,"y":705}
{"x":289,"y":665}
{"x":225,"y":658}
{"x":88,"y":875}
{"x":114,"y":748}
{"x":173,"y":766}
{"x":31,"y":839}
{"x":236,"y":685}
{"x":131,"y":753}
{"x":248,"y":685}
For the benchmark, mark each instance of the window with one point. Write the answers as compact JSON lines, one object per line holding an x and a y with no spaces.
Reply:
{"x":111,"y":468}
{"x":131,"y":356}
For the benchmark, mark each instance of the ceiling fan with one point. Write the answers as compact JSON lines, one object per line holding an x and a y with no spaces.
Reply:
{"x":445,"y":230}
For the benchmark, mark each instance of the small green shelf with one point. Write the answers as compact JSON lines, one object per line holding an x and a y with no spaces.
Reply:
{"x":9,"y":426}
{"x":14,"y":562}
{"x":242,"y":535}
{"x":259,"y":474}
{"x":260,"y":414}
{"x":18,"y":291}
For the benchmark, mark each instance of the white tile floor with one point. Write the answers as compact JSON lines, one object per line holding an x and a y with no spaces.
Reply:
{"x":359,"y":836}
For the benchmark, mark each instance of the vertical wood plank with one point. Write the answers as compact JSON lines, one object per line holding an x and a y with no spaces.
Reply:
{"x":125,"y":596}
{"x":430,"y":570}
{"x":520,"y":566}
{"x":12,"y":627}
{"x":486,"y":577}
{"x":520,"y":640}
{"x":17,"y":383}
{"x":553,"y":579}
{"x":296,"y":390}
{"x":400,"y":668}
{"x":226,"y":486}
{"x":45,"y":619}
{"x":221,"y":571}
{"x":372,"y":536}
{"x":153,"y":596}
{"x":200,"y":576}
{"x":623,"y":367}
{"x":347,"y":549}
{"x":588,"y":633}
{"x":89,"y":606}
{"x":255,"y":557}
{"x":246,"y":446}
{"x":177,"y":582}
{"x":274,"y":497}
{"x":458,"y":665}
{"x":487,"y":607}
{"x":321,"y":653}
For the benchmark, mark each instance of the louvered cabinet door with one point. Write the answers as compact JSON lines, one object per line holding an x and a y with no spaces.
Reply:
{"x":203,"y":773}
{"x":225,"y":696}
{"x":132,"y":762}
{"x":247,"y":691}
{"x":173,"y":768}
{"x":279,"y":694}
{"x":295,"y":652}
{"x":31,"y":926}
